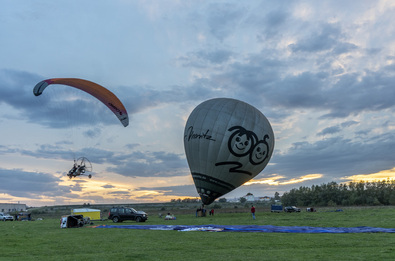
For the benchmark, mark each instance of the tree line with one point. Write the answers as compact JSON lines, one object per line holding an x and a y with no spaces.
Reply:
{"x":350,"y":194}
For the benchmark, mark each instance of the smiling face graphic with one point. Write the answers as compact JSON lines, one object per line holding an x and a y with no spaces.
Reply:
{"x":241,"y":145}
{"x":259,"y":153}
{"x":241,"y":141}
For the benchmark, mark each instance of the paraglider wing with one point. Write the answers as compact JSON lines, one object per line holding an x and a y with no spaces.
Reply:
{"x":227,"y":142}
{"x":94,"y":89}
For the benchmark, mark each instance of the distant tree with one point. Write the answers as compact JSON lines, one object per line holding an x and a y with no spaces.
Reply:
{"x":190,"y":200}
{"x":242,"y":199}
{"x":222,"y":200}
{"x":277,"y":196}
{"x":391,"y":199}
{"x":333,"y":194}
{"x":331,"y":203}
{"x":217,"y":206}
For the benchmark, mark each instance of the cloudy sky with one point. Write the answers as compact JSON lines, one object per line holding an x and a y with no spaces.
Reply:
{"x":323,"y":73}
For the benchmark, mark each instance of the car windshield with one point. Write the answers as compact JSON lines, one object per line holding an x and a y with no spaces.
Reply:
{"x":133,"y":210}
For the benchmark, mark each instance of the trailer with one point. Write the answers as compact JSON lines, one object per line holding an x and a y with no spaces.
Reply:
{"x":276,"y":208}
{"x":93,"y":214}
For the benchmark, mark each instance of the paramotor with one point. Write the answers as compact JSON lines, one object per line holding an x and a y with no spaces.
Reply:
{"x":81,"y":166}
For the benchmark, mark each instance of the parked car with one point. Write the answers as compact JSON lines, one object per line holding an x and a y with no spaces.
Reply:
{"x":291,"y":209}
{"x":119,"y":214}
{"x":6,"y":217}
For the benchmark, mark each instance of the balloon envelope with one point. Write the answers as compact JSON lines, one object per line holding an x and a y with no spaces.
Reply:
{"x":227,"y":142}
{"x":94,"y":89}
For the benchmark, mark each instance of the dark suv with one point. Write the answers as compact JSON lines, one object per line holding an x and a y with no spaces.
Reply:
{"x":119,"y":214}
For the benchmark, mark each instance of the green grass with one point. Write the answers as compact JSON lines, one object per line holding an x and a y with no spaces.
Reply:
{"x":44,"y":240}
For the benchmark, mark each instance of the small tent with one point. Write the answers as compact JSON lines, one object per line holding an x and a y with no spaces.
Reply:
{"x":93,"y":214}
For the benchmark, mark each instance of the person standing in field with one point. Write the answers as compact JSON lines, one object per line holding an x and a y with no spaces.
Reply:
{"x":253,"y":212}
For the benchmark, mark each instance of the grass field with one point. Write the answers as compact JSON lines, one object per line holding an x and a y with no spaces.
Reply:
{"x":44,"y":240}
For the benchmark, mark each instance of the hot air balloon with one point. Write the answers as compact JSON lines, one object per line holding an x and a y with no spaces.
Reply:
{"x":227,"y":142}
{"x":94,"y":89}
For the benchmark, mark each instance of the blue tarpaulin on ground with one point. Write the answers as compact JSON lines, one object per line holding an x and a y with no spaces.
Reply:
{"x":255,"y":228}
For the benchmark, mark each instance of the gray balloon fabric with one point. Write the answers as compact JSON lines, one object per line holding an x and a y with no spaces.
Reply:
{"x":227,"y":143}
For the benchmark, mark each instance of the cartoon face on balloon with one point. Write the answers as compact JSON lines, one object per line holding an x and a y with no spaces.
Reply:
{"x":260,"y":152}
{"x":241,"y":141}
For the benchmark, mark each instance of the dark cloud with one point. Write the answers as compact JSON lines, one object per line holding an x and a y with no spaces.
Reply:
{"x":92,"y":133}
{"x":271,"y":25}
{"x":336,"y":157}
{"x":132,"y":146}
{"x":356,"y":93}
{"x":342,"y":48}
{"x":108,"y":186}
{"x":76,"y":187}
{"x":255,"y":76}
{"x":119,"y":196}
{"x":348,"y":123}
{"x":260,"y":82}
{"x":362,"y":132}
{"x":119,"y":193}
{"x":58,"y":151}
{"x":337,"y":128}
{"x":177,"y":191}
{"x":215,"y":56}
{"x":19,"y":183}
{"x":329,"y":130}
{"x":325,"y":37}
{"x":96,"y":154}
{"x":201,"y":58}
{"x":140,"y":98}
{"x":267,"y":77}
{"x":48,"y":151}
{"x":150,"y":164}
{"x":7,"y":150}
{"x":222,"y":18}
{"x":299,"y":91}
